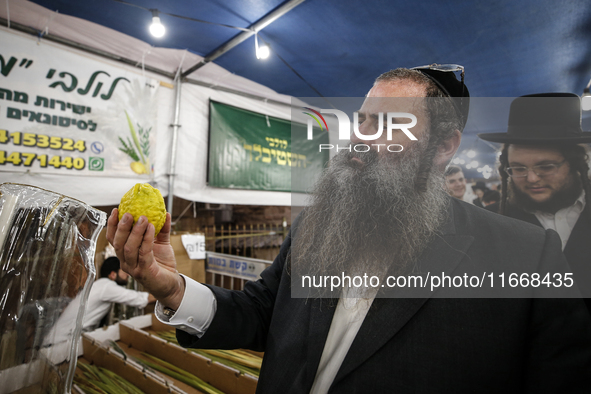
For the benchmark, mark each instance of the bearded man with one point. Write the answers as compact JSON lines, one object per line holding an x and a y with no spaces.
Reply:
{"x":545,"y":174}
{"x":108,"y":289}
{"x":384,"y":214}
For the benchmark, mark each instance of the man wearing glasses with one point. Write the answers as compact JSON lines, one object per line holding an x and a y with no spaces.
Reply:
{"x":382,"y":214}
{"x":544,"y":174}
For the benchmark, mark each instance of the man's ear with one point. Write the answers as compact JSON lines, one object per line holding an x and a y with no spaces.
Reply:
{"x":113,"y":275}
{"x":448,"y":149}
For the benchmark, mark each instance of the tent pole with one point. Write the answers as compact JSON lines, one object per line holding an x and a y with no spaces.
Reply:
{"x":175,"y":130}
{"x":259,"y":25}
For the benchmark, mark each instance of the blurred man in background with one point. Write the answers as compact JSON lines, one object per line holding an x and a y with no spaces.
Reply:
{"x":109,"y":289}
{"x":490,"y":198}
{"x":479,"y":188}
{"x":455,"y":182}
{"x":105,"y":291}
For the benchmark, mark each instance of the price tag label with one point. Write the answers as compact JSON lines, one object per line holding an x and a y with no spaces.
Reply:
{"x":194,"y":245}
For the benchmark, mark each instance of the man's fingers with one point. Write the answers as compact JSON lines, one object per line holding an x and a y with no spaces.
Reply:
{"x":118,"y":233}
{"x":145,"y":251}
{"x":121,"y":235}
{"x":164,"y":234}
{"x":112,"y":225}
{"x":134,"y":241}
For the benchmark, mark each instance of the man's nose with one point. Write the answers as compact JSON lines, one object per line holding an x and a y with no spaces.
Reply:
{"x":366,"y":129}
{"x":531,"y":176}
{"x":355,"y":139}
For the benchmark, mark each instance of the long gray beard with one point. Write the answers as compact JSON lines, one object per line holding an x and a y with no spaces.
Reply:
{"x":370,"y":219}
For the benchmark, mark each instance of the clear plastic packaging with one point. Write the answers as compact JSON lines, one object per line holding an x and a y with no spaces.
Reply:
{"x":47,"y":246}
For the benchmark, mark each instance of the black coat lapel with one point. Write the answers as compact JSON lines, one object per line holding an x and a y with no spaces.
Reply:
{"x":517,"y":213}
{"x":387,"y":316}
{"x":579,"y":241}
{"x":578,"y":253}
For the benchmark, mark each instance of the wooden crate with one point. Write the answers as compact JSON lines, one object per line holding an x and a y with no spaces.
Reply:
{"x":102,"y":356}
{"x":226,"y":379}
{"x":138,"y":335}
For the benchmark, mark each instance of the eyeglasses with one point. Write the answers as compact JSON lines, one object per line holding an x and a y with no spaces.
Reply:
{"x":541,"y":170}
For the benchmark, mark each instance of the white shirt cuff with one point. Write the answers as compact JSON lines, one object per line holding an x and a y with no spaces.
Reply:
{"x":196,"y":311}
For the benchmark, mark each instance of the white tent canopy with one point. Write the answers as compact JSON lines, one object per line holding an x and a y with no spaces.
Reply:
{"x":209,"y":82}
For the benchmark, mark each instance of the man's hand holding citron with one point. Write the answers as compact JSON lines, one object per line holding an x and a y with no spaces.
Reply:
{"x":143,"y":199}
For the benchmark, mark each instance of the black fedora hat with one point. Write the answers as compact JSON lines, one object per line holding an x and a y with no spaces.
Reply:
{"x":543,"y":118}
{"x":479,"y":185}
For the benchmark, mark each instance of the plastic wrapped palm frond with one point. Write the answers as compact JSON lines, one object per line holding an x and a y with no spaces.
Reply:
{"x":47,"y":246}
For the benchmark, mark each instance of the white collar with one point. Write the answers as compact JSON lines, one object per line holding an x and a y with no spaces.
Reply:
{"x":578,"y":206}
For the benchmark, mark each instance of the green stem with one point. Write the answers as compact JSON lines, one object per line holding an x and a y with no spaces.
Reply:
{"x":135,"y":139}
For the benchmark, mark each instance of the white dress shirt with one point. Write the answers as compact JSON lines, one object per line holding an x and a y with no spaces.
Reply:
{"x":469,"y":196}
{"x":102,"y":294}
{"x":196,"y":311}
{"x":346,"y":322}
{"x":564,"y":220}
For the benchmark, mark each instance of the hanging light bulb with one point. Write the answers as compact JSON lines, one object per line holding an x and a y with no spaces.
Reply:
{"x":261,"y":52}
{"x":157,"y":29}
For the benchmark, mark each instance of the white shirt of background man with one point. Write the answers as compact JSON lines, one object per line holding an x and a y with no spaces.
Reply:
{"x":564,"y":220}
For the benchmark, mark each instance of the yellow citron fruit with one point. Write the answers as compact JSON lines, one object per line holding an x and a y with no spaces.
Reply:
{"x":143,"y":199}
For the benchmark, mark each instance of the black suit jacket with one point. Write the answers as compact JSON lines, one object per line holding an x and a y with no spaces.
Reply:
{"x":577,"y":249}
{"x":420,"y":345}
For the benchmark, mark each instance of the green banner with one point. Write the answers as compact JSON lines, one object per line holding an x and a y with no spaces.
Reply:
{"x":248,"y":150}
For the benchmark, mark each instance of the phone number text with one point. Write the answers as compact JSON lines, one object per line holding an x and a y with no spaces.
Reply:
{"x":27,"y":160}
{"x":41,"y":141}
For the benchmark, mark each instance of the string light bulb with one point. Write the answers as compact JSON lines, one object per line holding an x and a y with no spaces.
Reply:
{"x":261,"y":52}
{"x":157,"y":29}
